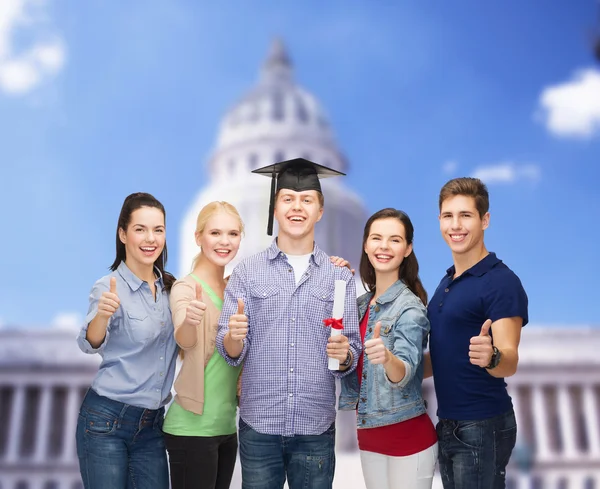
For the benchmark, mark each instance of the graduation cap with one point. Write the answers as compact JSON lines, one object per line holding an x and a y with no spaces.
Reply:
{"x":298,"y":175}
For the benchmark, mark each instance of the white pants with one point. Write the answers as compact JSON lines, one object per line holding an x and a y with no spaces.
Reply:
{"x":410,"y":472}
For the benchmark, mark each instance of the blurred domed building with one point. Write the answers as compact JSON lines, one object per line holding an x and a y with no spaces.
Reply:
{"x":275,"y":121}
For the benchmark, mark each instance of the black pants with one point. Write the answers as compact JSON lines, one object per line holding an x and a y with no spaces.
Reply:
{"x":201,"y":462}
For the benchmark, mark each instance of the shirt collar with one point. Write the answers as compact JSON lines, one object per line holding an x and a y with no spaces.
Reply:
{"x":132,"y":279}
{"x":392,"y":292}
{"x":480,"y":268}
{"x":317,"y":256}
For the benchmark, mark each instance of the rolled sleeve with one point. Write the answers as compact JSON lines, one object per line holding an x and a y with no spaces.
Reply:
{"x":99,"y":287}
{"x":351,"y":326}
{"x":235,"y":290}
{"x":410,"y":333}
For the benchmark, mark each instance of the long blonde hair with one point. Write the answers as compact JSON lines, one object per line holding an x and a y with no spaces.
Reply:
{"x":210,"y":210}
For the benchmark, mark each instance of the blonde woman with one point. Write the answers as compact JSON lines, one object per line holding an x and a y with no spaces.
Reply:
{"x":200,"y":428}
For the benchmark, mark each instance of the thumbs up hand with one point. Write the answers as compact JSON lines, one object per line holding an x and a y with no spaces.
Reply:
{"x":480,"y":349}
{"x":109,"y":301}
{"x":238,"y":323}
{"x":375,"y":350}
{"x":194,"y":312}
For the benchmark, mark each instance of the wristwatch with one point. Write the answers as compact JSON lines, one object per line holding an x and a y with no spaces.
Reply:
{"x":495,"y":360}
{"x":348,"y":361}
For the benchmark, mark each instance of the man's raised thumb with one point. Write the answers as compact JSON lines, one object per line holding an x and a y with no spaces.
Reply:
{"x":377,"y":330}
{"x":485,"y":329}
{"x":240,"y":306}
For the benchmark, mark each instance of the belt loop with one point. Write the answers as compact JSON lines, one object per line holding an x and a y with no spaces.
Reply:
{"x":122,"y":415}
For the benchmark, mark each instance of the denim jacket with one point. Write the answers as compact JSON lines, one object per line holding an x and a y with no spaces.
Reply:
{"x":404,"y":330}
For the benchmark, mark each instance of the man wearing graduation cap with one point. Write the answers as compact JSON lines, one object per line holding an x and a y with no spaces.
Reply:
{"x":273,"y":320}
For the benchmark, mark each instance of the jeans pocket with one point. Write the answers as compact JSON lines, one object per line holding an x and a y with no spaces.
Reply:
{"x":504,"y":442}
{"x":97,"y":423}
{"x":469,"y":434}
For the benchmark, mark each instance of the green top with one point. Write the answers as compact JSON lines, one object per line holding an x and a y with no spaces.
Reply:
{"x":220,"y":395}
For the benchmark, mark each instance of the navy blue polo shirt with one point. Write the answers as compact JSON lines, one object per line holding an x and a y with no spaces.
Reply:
{"x":457,"y":310}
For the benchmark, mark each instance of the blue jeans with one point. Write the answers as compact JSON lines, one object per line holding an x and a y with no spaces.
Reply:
{"x":474,"y":454}
{"x":120,"y":446}
{"x":308,"y":461}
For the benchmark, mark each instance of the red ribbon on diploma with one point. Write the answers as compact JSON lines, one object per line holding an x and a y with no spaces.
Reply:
{"x":334,"y":323}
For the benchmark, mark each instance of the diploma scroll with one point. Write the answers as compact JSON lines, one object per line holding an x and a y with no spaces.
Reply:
{"x":339,"y":297}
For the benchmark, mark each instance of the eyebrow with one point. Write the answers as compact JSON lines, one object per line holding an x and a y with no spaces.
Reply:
{"x":144,"y":226}
{"x":392,"y":236}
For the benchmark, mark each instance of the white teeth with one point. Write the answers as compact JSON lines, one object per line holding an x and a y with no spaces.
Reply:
{"x":222,"y":251}
{"x":383,"y":257}
{"x":295,"y":218}
{"x":147,"y":249}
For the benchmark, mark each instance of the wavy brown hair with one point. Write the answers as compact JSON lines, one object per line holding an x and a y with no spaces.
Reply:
{"x":409,"y":268}
{"x":132,"y":203}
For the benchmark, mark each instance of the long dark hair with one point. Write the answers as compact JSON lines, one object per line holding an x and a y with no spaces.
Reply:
{"x":132,"y":203}
{"x":409,"y":269}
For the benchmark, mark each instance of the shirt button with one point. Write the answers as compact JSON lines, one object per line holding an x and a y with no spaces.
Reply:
{"x":292,"y":344}
{"x":441,"y":303}
{"x":162,"y":323}
{"x":292,"y":369}
{"x":293,"y":319}
{"x":447,"y":290}
{"x":162,"y":373}
{"x":370,"y":330}
{"x":264,"y":294}
{"x":376,"y":308}
{"x":291,"y":395}
{"x":364,"y":421}
{"x":323,"y":297}
{"x":161,"y":358}
{"x":290,"y":270}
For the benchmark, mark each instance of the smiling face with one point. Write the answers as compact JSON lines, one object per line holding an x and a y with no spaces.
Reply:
{"x":297,"y":212}
{"x":461,"y":225}
{"x":220,"y":238}
{"x":144,"y":238}
{"x":386,"y":245}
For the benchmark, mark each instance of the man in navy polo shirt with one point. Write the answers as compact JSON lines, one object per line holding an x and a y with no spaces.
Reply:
{"x":476,"y":316}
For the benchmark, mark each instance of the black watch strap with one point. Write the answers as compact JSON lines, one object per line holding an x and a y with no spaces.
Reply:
{"x":348,"y":361}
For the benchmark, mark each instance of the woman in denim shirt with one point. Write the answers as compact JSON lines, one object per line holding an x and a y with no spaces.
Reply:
{"x":397,"y":440}
{"x":119,"y":431}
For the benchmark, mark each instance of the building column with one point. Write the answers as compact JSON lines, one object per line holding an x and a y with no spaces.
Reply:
{"x":15,"y":431}
{"x":43,"y":424}
{"x":566,"y":421}
{"x":69,"y":454}
{"x":540,"y":424}
{"x":590,"y":412}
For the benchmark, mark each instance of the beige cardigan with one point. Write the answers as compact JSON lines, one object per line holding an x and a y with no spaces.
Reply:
{"x":190,"y":381}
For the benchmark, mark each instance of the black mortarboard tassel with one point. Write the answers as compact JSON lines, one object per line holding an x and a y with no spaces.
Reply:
{"x":298,"y":175}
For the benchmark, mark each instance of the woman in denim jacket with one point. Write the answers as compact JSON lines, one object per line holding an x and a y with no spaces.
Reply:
{"x":397,"y":440}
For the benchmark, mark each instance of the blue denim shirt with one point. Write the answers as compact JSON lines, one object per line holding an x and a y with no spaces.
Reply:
{"x":139,"y":350}
{"x":404,"y":330}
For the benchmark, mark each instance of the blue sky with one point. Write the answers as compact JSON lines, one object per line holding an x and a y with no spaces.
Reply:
{"x":101,"y":99}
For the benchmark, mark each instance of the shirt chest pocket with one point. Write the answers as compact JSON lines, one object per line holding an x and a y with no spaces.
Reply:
{"x":265,"y":305}
{"x":320,"y":306}
{"x":141,"y":327}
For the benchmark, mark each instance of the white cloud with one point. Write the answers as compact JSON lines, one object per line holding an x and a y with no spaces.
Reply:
{"x":508,"y":172}
{"x":67,"y":320}
{"x":22,"y":70}
{"x":572,"y":109}
{"x":450,"y":167}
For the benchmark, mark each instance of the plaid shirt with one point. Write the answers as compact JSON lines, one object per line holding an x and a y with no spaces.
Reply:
{"x":287,"y":388}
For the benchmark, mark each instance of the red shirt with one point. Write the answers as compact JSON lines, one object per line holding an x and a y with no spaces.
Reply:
{"x":398,"y":439}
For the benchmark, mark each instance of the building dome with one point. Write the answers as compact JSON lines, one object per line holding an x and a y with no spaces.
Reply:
{"x":278,"y":116}
{"x":275,"y":121}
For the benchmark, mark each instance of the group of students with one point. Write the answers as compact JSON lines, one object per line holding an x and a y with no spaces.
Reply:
{"x":259,"y":340}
